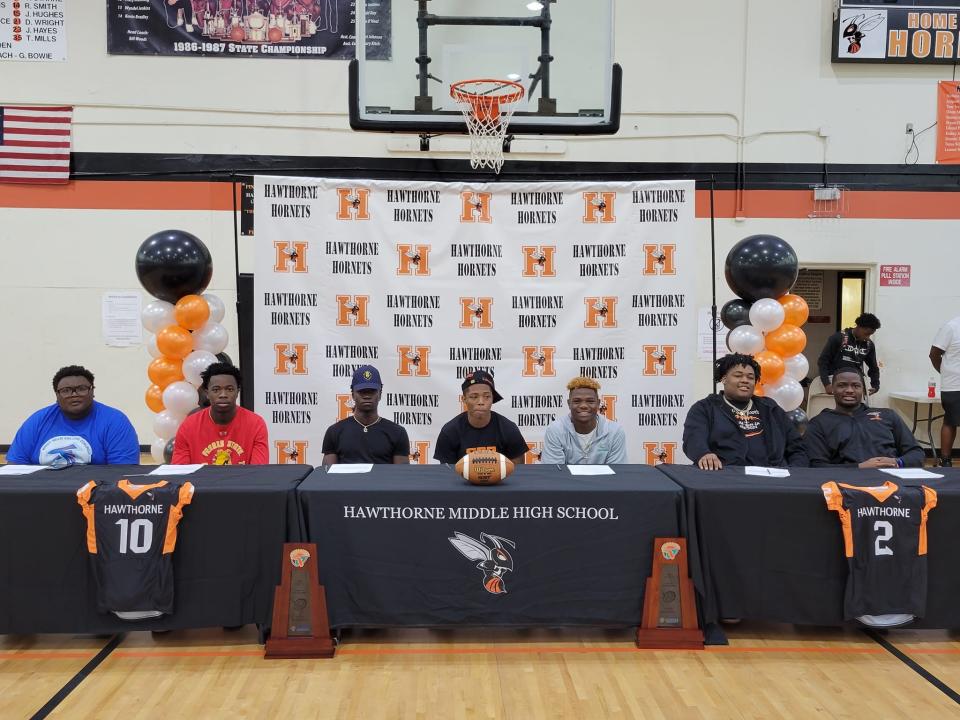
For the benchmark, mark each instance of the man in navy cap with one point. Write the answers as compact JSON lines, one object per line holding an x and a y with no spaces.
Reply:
{"x":365,"y":437}
{"x":479,"y":428}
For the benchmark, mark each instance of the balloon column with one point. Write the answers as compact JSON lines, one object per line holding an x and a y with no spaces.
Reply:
{"x":175,"y":267}
{"x":765,"y":320}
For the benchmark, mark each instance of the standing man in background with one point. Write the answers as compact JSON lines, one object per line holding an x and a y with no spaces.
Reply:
{"x":851,"y":347}
{"x":945,"y":356}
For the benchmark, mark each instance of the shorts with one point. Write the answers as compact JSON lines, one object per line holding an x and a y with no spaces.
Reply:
{"x":950,"y":399}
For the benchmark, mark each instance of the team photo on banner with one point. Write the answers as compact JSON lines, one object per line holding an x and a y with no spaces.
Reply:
{"x":534,"y":283}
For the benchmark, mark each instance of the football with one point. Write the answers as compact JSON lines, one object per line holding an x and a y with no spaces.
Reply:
{"x":484,"y":467}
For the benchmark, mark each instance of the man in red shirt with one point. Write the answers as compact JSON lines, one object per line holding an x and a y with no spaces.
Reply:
{"x":224,"y":433}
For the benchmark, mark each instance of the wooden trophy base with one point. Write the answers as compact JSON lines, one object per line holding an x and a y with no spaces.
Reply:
{"x":669,"y":639}
{"x":669,"y":607}
{"x":300,"y":627}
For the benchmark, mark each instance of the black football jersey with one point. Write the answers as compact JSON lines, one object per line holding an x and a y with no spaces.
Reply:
{"x":885,"y":542}
{"x":131,"y":535}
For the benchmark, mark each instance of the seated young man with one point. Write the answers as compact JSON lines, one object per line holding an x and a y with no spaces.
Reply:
{"x":736,"y":427}
{"x":76,"y":429}
{"x":584,"y":437}
{"x":853,"y":434}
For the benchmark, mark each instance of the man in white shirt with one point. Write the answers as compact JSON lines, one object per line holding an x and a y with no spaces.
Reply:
{"x":945,"y":356}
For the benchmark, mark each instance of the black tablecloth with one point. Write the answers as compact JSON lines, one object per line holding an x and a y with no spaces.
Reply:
{"x":768,"y":549}
{"x":226,"y":563}
{"x":566,"y":571}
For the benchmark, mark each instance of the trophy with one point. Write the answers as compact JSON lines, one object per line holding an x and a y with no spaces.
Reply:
{"x":300,"y":626}
{"x":669,"y":606}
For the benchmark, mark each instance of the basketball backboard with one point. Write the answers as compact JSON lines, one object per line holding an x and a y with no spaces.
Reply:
{"x":561,"y":51}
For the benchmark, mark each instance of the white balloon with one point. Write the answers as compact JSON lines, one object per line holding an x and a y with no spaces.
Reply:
{"x":180,"y":398}
{"x":157,"y":315}
{"x":165,"y":425}
{"x":195,"y":363}
{"x":766,"y":315}
{"x":212,"y":337}
{"x":157,"y":448}
{"x":787,"y":393}
{"x":796,"y":366}
{"x":218,"y":309}
{"x":745,"y":339}
{"x":151,"y":345}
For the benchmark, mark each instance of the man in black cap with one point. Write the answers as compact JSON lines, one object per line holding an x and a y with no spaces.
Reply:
{"x":479,"y":428}
{"x":365,"y":437}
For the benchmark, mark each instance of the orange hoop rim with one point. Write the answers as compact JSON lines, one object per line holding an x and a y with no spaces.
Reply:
{"x":514,"y":94}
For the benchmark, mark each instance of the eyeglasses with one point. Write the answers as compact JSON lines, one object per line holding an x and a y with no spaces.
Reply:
{"x":78,"y":390}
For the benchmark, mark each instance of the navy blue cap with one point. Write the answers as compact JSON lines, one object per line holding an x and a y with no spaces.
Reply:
{"x":366,"y":377}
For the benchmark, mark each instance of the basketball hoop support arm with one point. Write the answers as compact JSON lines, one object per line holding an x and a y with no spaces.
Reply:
{"x":424,"y":102}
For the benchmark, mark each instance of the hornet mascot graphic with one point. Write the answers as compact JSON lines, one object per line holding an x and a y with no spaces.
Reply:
{"x":493,"y":559}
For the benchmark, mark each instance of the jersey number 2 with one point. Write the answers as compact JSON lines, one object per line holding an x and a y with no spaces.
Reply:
{"x":137,"y":535}
{"x":884,"y":532}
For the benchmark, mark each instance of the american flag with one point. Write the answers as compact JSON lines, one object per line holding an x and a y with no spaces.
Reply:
{"x":35,"y":144}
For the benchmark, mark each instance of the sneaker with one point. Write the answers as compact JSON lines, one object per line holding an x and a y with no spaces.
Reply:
{"x":946,"y":462}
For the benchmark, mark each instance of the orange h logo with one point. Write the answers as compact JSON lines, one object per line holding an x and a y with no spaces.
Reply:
{"x":353,"y":204}
{"x":658,"y":453}
{"x":598,"y":207}
{"x":659,"y":360}
{"x":413,"y":259}
{"x":290,"y":252}
{"x":414,"y":360}
{"x":476,"y":207}
{"x":476,"y":313}
{"x":608,"y":407}
{"x":534,"y":451}
{"x":659,"y":259}
{"x":538,"y":361}
{"x":352,"y":310}
{"x":420,"y":452}
{"x":344,"y":406}
{"x":291,"y":359}
{"x":538,"y":260}
{"x":601,"y":311}
{"x":291,"y":452}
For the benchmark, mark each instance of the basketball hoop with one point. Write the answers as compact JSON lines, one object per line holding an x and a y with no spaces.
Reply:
{"x":487,"y":107}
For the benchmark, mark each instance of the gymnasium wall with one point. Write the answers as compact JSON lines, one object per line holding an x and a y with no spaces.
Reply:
{"x":710,"y":89}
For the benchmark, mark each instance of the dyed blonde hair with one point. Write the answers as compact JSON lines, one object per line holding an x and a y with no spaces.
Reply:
{"x":581,"y":382}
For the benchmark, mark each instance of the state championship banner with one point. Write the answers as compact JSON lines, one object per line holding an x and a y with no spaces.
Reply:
{"x":534,"y":282}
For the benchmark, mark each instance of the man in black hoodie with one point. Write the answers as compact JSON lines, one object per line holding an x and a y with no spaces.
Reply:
{"x":735,"y":427}
{"x":854,"y":434}
{"x":851,"y":348}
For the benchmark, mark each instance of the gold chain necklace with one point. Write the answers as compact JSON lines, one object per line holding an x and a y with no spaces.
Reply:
{"x":365,"y":427}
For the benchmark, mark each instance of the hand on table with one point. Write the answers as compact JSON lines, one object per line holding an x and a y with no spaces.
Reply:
{"x":879,"y":462}
{"x":709,"y":462}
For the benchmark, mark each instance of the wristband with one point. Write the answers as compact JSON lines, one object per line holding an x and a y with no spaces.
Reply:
{"x":899,"y":462}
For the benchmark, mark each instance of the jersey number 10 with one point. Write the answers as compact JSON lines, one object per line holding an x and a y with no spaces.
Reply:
{"x":138,"y":535}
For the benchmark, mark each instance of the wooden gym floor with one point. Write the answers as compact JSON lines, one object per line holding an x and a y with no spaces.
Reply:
{"x":767,"y":671}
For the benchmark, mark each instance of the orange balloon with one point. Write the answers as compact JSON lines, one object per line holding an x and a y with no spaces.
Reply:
{"x":154,"y":398}
{"x":758,"y":389}
{"x":795,"y":309}
{"x":175,"y":342}
{"x":771,"y":366}
{"x":786,"y":340}
{"x":191,"y":312}
{"x":163,"y":371}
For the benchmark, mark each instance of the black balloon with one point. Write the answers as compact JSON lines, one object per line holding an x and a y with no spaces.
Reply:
{"x":224,"y":358}
{"x":735,"y":313}
{"x":173,"y":263}
{"x":799,"y":419}
{"x":168,"y":452}
{"x":761,"y":266}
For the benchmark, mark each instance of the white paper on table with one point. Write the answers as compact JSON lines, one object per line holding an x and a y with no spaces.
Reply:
{"x":21,"y":469}
{"x":590,"y":470}
{"x":176,"y":469}
{"x":910,"y":473}
{"x":351,"y":468}
{"x":766,"y":471}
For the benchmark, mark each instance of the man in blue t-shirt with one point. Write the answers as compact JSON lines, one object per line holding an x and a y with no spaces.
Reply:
{"x":77,"y":430}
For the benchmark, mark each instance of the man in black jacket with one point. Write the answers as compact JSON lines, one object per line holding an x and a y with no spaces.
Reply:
{"x":851,"y":348}
{"x":734,"y":427}
{"x":854,"y":434}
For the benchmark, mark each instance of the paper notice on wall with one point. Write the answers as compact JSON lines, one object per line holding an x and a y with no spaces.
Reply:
{"x":809,"y":286}
{"x":120,"y":318}
{"x":33,"y":31}
{"x":707,"y":328}
{"x":948,"y":122}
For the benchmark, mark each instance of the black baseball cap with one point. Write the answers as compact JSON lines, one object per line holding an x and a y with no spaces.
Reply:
{"x":481,"y":377}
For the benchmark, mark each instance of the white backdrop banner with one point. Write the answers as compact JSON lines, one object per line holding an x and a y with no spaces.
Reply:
{"x":535,"y":282}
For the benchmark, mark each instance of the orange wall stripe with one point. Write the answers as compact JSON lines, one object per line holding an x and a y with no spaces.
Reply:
{"x":172,"y":195}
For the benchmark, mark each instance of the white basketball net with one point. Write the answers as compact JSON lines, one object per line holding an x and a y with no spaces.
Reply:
{"x":487,"y":107}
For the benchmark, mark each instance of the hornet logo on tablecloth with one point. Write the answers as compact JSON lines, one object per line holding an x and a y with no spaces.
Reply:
{"x":493,"y":558}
